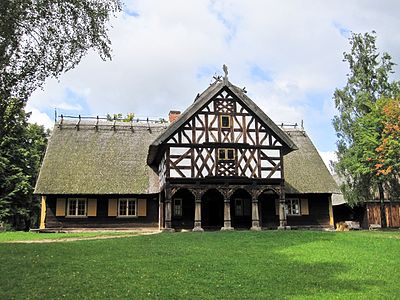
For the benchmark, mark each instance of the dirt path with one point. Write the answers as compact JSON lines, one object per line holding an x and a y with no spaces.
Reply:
{"x":74,"y":239}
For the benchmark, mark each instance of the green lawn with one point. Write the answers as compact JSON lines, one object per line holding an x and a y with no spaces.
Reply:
{"x":212,"y":265}
{"x":10,"y":236}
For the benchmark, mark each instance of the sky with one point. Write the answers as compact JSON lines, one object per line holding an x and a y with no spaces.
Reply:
{"x":288,"y":55}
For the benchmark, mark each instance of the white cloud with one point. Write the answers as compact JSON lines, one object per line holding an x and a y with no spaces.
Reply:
{"x":40,"y":118}
{"x":328,"y":157}
{"x":158,"y":55}
{"x":68,"y":106}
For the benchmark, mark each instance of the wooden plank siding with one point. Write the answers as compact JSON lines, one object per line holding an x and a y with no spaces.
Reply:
{"x":393,"y":215}
{"x":373,"y":214}
{"x":102,"y":220}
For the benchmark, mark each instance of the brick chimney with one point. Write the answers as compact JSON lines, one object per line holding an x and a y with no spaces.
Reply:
{"x":173,"y":115}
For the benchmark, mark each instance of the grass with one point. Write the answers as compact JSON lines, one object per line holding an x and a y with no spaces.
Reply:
{"x":10,"y":236}
{"x":211,"y":265}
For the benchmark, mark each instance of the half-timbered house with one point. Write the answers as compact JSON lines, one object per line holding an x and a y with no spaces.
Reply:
{"x":222,"y":164}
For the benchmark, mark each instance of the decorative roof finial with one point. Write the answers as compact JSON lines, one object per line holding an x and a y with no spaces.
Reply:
{"x":225,"y":68}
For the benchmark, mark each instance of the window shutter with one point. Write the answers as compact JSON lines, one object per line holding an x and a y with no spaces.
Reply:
{"x":112,"y":207}
{"x":43,"y":213}
{"x":92,"y":208}
{"x":60,"y":207}
{"x":142,"y":209}
{"x":304,"y":207}
{"x":277,"y":207}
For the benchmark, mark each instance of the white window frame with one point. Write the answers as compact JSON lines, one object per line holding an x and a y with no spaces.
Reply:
{"x":289,"y":206}
{"x":128,"y":200}
{"x":76,"y":215}
{"x":178,"y":207}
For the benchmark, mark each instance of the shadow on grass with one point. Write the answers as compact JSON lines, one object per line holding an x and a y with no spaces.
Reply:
{"x":237,"y":265}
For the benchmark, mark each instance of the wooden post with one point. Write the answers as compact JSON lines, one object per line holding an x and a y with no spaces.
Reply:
{"x":168,"y":215}
{"x":331,"y":220}
{"x":227,"y":215}
{"x":255,"y":218}
{"x":42,"y":224}
{"x":160,"y":212}
{"x":382,"y":205}
{"x":282,"y":210}
{"x":197,"y":213}
{"x":197,"y":210}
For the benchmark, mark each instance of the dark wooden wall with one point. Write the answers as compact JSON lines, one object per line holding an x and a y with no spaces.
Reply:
{"x":318,"y":206}
{"x":102,"y":220}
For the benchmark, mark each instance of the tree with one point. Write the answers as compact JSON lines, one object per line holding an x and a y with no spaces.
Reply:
{"x":389,"y":148}
{"x":21,"y":148}
{"x":44,"y":38}
{"x":388,"y":152}
{"x":358,"y":123}
{"x":119,"y":117}
{"x":38,"y":39}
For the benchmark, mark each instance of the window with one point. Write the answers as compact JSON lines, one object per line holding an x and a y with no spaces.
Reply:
{"x":226,"y":154}
{"x":225,"y":121}
{"x":221,"y":154}
{"x":76,"y":207}
{"x":178,"y":207}
{"x":127,"y":207}
{"x":239,"y":207}
{"x":293,"y":207}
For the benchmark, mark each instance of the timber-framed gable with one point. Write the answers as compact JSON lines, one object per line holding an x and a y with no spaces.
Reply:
{"x":224,"y":138}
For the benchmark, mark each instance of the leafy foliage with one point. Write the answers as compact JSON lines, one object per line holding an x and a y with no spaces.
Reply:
{"x":119,"y":117}
{"x":39,"y":39}
{"x":21,"y":148}
{"x":389,"y":148}
{"x":359,"y":125}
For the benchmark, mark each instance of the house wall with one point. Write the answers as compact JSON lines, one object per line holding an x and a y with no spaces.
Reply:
{"x":318,"y":206}
{"x":318,"y":211}
{"x":102,"y":220}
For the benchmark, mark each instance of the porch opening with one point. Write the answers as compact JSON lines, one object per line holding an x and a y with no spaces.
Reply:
{"x":212,"y":210}
{"x":182,"y":205}
{"x":241,"y":209}
{"x":269,"y":210}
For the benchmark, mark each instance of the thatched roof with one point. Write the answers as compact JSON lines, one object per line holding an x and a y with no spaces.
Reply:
{"x":113,"y":161}
{"x":202,"y":100}
{"x":305,"y":171}
{"x":102,"y":161}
